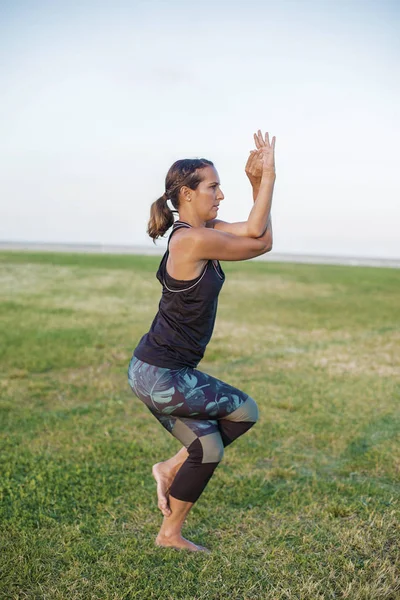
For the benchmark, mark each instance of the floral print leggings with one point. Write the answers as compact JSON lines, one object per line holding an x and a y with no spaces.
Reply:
{"x":202,"y":412}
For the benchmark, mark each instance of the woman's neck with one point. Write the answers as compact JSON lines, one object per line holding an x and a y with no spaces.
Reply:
{"x":193,"y":220}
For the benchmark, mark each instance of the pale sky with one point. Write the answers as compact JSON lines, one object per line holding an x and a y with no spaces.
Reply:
{"x":98,"y":99}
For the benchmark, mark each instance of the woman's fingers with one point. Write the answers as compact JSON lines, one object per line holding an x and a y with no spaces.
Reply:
{"x":250,"y":160}
{"x":262,"y":140}
{"x":254,"y":163}
{"x":249,"y":165}
{"x":264,"y":151}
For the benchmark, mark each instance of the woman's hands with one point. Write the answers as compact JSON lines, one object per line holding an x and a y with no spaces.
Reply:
{"x":260,"y":169}
{"x":261,"y":160}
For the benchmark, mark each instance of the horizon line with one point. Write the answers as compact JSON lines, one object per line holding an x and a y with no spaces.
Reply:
{"x":100,"y":248}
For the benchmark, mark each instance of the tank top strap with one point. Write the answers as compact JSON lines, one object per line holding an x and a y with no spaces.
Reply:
{"x":178,"y":225}
{"x":179,"y":222}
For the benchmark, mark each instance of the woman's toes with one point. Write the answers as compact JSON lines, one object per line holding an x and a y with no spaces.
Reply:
{"x":165,"y":509}
{"x":203,"y":549}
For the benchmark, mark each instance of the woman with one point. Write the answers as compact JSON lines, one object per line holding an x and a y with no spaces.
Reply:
{"x":202,"y":412}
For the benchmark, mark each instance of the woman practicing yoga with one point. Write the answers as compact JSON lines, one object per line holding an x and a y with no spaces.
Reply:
{"x":202,"y":412}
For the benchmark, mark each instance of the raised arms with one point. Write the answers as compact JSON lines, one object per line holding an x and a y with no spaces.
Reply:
{"x":234,"y":241}
{"x":260,"y":169}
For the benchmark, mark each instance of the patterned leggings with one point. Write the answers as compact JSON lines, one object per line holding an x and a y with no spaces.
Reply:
{"x":202,"y":412}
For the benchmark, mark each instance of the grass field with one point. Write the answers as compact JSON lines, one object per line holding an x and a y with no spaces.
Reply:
{"x":305,"y":506}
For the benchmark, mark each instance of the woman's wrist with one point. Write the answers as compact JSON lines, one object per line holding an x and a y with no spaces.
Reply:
{"x":268,"y":172}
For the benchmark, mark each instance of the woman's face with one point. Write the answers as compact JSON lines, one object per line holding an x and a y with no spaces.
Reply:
{"x":208,"y":195}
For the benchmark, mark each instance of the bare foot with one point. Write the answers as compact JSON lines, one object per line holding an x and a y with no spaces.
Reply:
{"x":180,"y":543}
{"x":164,"y":477}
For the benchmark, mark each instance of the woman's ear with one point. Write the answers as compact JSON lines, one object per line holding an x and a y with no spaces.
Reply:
{"x":185,"y":193}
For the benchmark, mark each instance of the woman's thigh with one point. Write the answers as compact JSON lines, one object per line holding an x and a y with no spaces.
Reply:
{"x":187,"y":392}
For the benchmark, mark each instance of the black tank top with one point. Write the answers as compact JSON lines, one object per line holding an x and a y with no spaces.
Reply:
{"x":186,"y":315}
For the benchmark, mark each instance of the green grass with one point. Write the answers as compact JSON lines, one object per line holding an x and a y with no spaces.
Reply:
{"x":305,"y":506}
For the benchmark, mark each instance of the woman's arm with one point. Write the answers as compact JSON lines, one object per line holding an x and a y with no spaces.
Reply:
{"x":267,"y":235}
{"x":202,"y":243}
{"x":260,"y":169}
{"x":260,"y":214}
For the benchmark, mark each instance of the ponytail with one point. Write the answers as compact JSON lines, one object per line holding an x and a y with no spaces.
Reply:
{"x":161,"y":218}
{"x":186,"y":172}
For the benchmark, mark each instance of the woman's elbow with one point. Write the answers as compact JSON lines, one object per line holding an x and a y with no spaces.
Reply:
{"x":268,"y":243}
{"x":266,"y":247}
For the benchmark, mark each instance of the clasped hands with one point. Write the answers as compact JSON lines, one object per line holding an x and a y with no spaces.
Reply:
{"x":262,"y":159}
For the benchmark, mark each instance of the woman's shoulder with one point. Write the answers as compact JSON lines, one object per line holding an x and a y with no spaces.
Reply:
{"x":180,"y":237}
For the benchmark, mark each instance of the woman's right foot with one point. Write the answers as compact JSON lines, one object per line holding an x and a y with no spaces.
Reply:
{"x":164,"y":477}
{"x":180,"y":543}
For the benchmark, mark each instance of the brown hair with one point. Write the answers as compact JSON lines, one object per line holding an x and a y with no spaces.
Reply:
{"x":183,"y":172}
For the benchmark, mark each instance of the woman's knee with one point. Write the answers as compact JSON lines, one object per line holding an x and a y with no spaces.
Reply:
{"x":207,"y":449}
{"x":252,"y":410}
{"x":213,"y":452}
{"x":246,"y":412}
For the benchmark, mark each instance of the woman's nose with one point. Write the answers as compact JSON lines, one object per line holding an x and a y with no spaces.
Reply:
{"x":220,"y":195}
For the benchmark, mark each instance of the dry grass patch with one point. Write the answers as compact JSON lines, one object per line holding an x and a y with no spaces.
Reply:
{"x":374,"y":354}
{"x":283,"y":287}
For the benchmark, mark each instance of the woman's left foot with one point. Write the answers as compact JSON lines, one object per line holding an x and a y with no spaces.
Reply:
{"x":179,"y":543}
{"x":164,"y":477}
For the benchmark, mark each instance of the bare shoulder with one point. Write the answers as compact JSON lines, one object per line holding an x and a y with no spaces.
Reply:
{"x":192,"y":242}
{"x":187,"y":236}
{"x":182,"y":239}
{"x":183,"y":263}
